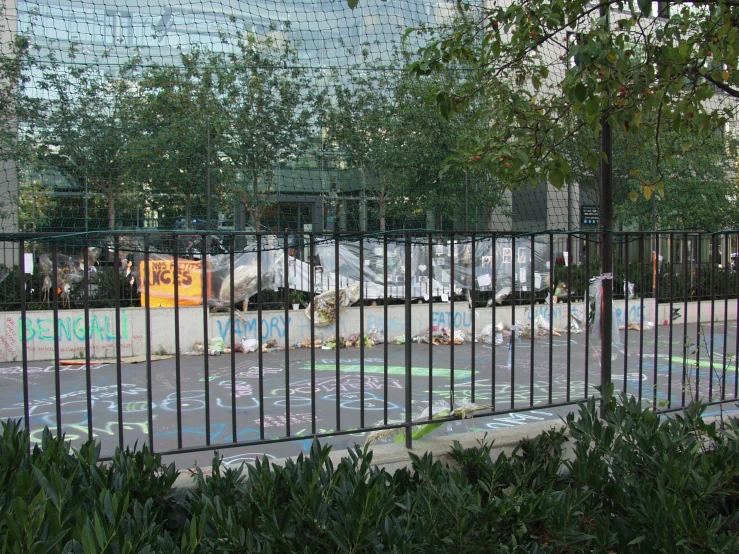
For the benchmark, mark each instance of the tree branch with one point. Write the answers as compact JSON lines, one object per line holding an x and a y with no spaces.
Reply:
{"x":724,"y":87}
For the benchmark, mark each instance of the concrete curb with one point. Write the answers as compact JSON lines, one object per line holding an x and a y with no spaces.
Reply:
{"x":394,"y":456}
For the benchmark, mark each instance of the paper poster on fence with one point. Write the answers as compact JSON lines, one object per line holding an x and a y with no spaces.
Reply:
{"x":161,"y":279}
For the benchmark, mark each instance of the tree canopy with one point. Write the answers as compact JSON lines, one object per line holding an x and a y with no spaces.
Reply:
{"x":537,"y":64}
{"x":700,"y":184}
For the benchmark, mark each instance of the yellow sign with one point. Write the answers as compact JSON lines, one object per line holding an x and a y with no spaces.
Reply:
{"x":161,"y":278}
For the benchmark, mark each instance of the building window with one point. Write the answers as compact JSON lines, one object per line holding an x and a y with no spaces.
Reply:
{"x":118,"y":29}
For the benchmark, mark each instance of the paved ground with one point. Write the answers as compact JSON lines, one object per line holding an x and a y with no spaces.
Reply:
{"x":262,"y":413}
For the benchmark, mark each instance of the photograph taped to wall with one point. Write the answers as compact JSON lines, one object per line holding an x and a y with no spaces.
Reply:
{"x":507,"y":255}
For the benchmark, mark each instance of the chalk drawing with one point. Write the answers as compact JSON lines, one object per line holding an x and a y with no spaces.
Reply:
{"x":372,"y":402}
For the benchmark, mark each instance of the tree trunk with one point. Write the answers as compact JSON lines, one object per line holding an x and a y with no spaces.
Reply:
{"x":111,"y":210}
{"x":381,"y":205}
{"x":256,"y":212}
{"x":257,"y":219}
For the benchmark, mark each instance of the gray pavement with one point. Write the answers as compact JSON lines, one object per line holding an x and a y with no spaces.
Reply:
{"x":654,"y":365}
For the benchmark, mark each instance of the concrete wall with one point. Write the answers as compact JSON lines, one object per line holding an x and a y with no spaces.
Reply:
{"x":103,"y":335}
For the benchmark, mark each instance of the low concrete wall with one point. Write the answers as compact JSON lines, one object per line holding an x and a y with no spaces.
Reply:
{"x":103,"y":331}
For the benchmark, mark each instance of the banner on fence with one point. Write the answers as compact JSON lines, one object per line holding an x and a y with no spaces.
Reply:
{"x":162,"y":277}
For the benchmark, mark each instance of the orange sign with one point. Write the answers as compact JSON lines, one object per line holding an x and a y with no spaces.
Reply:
{"x":161,"y":278}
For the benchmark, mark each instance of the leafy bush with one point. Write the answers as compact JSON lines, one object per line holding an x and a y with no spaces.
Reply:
{"x":55,"y":499}
{"x":632,"y":481}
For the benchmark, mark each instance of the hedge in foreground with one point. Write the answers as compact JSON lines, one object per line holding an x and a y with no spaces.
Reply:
{"x":633,"y":482}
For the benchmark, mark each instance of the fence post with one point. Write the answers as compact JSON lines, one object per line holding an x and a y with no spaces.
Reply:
{"x":606,"y":222}
{"x":408,"y":345}
{"x":24,"y":336}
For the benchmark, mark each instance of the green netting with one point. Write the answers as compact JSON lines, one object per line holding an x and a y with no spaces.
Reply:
{"x":270,"y":116}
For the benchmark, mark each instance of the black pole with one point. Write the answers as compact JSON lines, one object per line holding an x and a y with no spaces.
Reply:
{"x":207,"y":178}
{"x":606,"y":224}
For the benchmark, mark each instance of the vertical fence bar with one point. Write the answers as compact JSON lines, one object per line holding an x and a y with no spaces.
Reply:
{"x":260,"y":354}
{"x":512,"y":344}
{"x":86,"y":307}
{"x":671,"y":239}
{"x":570,"y":290}
{"x":713,"y":316}
{"x":626,"y":313}
{"x":686,"y":289}
{"x":408,"y":346}
{"x":726,"y":265}
{"x":24,"y":349}
{"x":147,"y":325}
{"x":118,"y":361}
{"x":312,"y":250}
{"x":177,"y":362}
{"x":361,"y":332}
{"x":493,"y":275}
{"x":385,"y":328}
{"x":551,"y":315}
{"x":206,"y":361}
{"x":736,"y":346}
{"x":286,"y":299}
{"x":698,"y":326}
{"x":587,"y":311}
{"x":473,"y":312}
{"x":431,"y":322}
{"x":232,"y":316}
{"x":533,"y":334}
{"x":57,"y":366}
{"x":655,"y":280}
{"x":451,"y":315}
{"x":642,"y":291}
{"x":337,"y":329}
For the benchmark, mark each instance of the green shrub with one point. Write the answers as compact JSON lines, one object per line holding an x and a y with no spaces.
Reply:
{"x":56,"y":499}
{"x":632,"y":481}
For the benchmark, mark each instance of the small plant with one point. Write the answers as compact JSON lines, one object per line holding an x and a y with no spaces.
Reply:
{"x":297,"y":297}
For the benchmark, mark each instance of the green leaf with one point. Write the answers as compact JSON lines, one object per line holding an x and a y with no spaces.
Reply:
{"x":193,"y":532}
{"x":108,"y":507}
{"x":99,"y":532}
{"x":581,"y":93}
{"x":556,"y":177}
{"x":443,"y":102}
{"x":592,"y":109}
{"x":352,"y":3}
{"x":88,"y":541}
{"x":48,"y":489}
{"x":646,"y":7}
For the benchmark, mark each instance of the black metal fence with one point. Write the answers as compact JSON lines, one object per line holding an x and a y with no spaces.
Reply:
{"x":265,"y":338}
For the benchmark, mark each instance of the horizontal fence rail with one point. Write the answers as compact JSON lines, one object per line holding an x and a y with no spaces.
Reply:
{"x":196,"y":341}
